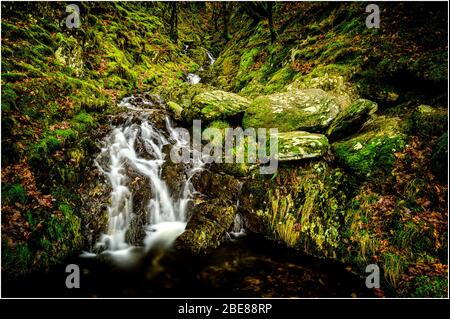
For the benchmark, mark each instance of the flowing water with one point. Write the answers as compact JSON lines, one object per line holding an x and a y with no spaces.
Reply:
{"x":193,"y":78}
{"x":166,"y":213}
{"x":244,"y":266}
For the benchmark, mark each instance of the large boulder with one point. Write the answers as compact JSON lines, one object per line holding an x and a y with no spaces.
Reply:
{"x":310,"y":110}
{"x":207,"y":227}
{"x":300,"y":145}
{"x":336,"y":85}
{"x":214,"y":105}
{"x":215,"y":185}
{"x":370,"y":153}
{"x":302,"y":207}
{"x":429,"y":121}
{"x":351,"y":118}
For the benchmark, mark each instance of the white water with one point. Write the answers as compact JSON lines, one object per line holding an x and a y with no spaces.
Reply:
{"x":211,"y":58}
{"x":193,"y":78}
{"x":167,"y":214}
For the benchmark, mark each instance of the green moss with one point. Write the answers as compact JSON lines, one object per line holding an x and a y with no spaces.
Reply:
{"x":371,"y":154}
{"x":351,"y":118}
{"x":219,"y":124}
{"x":411,"y":236}
{"x":428,"y":121}
{"x":66,"y":134}
{"x":247,"y":58}
{"x":9,"y":97}
{"x":62,"y":236}
{"x":19,"y":258}
{"x":308,"y":213}
{"x":430,"y":287}
{"x":13,"y":193}
{"x":176,"y":109}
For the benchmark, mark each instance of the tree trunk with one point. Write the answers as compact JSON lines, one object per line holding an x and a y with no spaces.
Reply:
{"x":273,"y":35}
{"x":225,"y":20}
{"x":174,"y":22}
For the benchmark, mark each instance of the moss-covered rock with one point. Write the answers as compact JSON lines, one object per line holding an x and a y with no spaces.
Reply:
{"x":429,"y":121}
{"x":176,"y":109}
{"x":69,"y":53}
{"x":311,"y":110}
{"x":370,"y":153}
{"x":300,"y":145}
{"x":207,"y":226}
{"x":306,"y":212}
{"x":213,"y":185}
{"x":351,"y":119}
{"x":334,"y":84}
{"x":215,"y":105}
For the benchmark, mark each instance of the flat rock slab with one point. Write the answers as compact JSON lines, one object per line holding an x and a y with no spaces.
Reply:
{"x":301,"y":145}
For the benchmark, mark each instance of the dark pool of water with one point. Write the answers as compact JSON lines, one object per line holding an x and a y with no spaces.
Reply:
{"x":248,"y":267}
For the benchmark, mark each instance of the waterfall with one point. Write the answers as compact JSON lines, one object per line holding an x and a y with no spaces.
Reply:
{"x":193,"y":78}
{"x":211,"y":58}
{"x":167,"y":215}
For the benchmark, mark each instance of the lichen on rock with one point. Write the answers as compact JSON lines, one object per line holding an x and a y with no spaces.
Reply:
{"x":310,"y":110}
{"x":301,"y":145}
{"x":217,"y":104}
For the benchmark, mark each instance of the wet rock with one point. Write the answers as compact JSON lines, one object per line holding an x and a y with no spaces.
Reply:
{"x":311,"y":110}
{"x":144,"y":101}
{"x":142,"y":192}
{"x":175,"y":109}
{"x":94,"y":194}
{"x":303,"y":207}
{"x":207,"y":227}
{"x":173,"y":174}
{"x":351,"y":119}
{"x":300,"y":145}
{"x":251,"y":200}
{"x":215,"y":185}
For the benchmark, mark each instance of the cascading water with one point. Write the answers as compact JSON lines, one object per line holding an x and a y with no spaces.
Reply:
{"x":193,"y":78}
{"x":166,"y":212}
{"x":211,"y":58}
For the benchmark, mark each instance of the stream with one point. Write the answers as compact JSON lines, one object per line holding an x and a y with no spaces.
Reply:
{"x":147,"y":211}
{"x":135,"y":257}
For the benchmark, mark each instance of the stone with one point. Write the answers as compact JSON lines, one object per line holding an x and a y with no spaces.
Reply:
{"x":301,"y":145}
{"x":351,"y":119}
{"x":370,"y":152}
{"x":429,"y":121}
{"x":176,"y":109}
{"x":311,"y":110}
{"x":70,"y":53}
{"x":336,"y":85}
{"x":207,"y":227}
{"x":214,"y":105}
